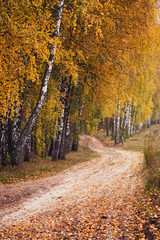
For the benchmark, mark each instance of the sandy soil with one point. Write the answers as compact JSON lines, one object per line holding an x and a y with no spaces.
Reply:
{"x":114,"y":168}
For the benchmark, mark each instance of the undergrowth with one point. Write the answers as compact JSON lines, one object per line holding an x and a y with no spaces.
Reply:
{"x":152,"y":161}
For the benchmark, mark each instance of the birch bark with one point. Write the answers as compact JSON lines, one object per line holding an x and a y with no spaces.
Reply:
{"x":133,"y":120}
{"x":4,"y":140}
{"x":4,"y":145}
{"x":117,"y":135}
{"x":129,"y":119}
{"x":27,"y":156}
{"x":67,"y":105}
{"x":16,"y":129}
{"x":157,"y":119}
{"x":57,"y":142}
{"x":16,"y":158}
{"x":113,"y":127}
{"x":126,"y":117}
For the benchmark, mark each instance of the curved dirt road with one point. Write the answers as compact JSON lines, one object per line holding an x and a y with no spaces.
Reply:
{"x":115,"y":168}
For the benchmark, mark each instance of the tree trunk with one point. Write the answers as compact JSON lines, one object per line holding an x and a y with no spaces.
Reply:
{"x":67,"y":105}
{"x":117,"y":130}
{"x":148,"y":121}
{"x":34,"y":144}
{"x":129,"y":120}
{"x":16,"y":158}
{"x":133,"y":120}
{"x":113,"y":127}
{"x":4,"y":140}
{"x":68,"y":138}
{"x":140,"y":126}
{"x":27,"y":156}
{"x":75,"y":147}
{"x":46,"y":145}
{"x":123,"y":120}
{"x":16,"y":130}
{"x":0,"y":138}
{"x":75,"y":136}
{"x":107,"y":126}
{"x":4,"y":145}
{"x":64,"y":131}
{"x":57,"y":142}
{"x":51,"y":148}
{"x":157,"y":119}
{"x":126,"y":118}
{"x":10,"y":122}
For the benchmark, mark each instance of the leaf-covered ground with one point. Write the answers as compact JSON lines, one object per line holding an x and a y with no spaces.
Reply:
{"x":100,"y":199}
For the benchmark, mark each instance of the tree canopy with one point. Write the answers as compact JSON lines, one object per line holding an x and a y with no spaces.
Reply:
{"x":107,"y":54}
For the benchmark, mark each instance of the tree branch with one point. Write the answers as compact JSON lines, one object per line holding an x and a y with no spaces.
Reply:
{"x":97,"y":54}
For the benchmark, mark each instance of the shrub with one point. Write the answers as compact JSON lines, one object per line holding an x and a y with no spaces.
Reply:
{"x":152,"y":162}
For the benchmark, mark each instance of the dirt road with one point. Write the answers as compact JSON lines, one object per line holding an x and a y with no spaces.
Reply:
{"x":113,"y":169}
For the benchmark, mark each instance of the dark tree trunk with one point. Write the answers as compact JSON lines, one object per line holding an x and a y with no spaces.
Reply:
{"x":4,"y":140}
{"x":133,"y":120}
{"x":10,"y":137}
{"x":68,"y":138}
{"x":16,"y":129}
{"x":46,"y":145}
{"x":51,"y":148}
{"x":4,"y":145}
{"x":0,"y":138}
{"x":55,"y":152}
{"x":129,"y":120}
{"x":17,"y":154}
{"x":57,"y":142}
{"x":113,"y":127}
{"x":157,"y":119}
{"x":148,"y":121}
{"x":34,"y":144}
{"x":64,"y":131}
{"x":75,"y":147}
{"x":27,"y":155}
{"x":107,"y":126}
{"x":117,"y":122}
{"x":67,"y":104}
{"x":75,"y":136}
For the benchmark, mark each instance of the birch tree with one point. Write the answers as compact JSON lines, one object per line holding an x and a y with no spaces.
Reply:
{"x":17,"y":154}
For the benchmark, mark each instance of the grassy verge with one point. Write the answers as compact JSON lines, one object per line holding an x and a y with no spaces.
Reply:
{"x":39,"y":168}
{"x":137,"y":142}
{"x":152,"y":161}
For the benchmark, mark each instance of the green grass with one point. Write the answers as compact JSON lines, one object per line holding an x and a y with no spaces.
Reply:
{"x":137,"y":142}
{"x":39,"y":168}
{"x":152,"y":161}
{"x":148,"y":142}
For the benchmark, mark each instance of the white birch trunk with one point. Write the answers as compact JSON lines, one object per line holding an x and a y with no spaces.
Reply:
{"x":122,"y":120}
{"x":57,"y":141}
{"x":68,"y":137}
{"x":133,"y":120}
{"x":148,"y":121}
{"x":117,"y":135}
{"x":27,"y":155}
{"x":129,"y":120}
{"x":113,"y":127}
{"x":157,"y":119}
{"x":140,"y":126}
{"x":17,"y":159}
{"x":126,"y":117}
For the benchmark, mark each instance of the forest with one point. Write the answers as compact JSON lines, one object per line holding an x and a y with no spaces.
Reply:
{"x":68,"y":67}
